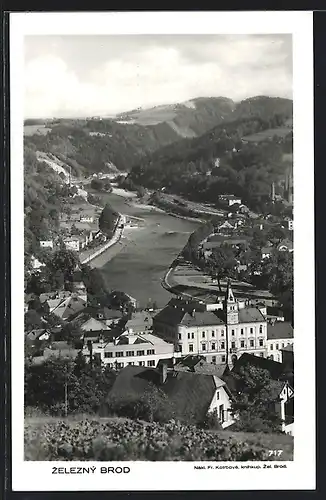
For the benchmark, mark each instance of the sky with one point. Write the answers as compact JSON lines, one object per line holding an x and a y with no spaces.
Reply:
{"x":78,"y":76}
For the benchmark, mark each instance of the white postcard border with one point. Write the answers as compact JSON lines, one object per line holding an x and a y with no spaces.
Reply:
{"x":299,"y":474}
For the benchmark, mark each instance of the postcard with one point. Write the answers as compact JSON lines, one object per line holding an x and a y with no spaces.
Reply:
{"x":162,"y":251}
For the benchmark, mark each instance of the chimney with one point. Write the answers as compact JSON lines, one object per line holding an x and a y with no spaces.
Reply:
{"x":163,"y":372}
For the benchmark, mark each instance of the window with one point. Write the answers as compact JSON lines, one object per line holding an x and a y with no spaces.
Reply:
{"x":233,"y":332}
{"x":260,"y":328}
{"x":261,"y":342}
{"x":272,"y":347}
{"x":188,"y":335}
{"x":213,"y":359}
{"x":120,"y":365}
{"x":180,"y":347}
{"x":242,"y":343}
{"x":277,"y":346}
{"x":191,"y":347}
{"x":108,"y":354}
{"x":222,"y":345}
{"x":261,"y":354}
{"x":271,"y":357}
{"x":217,"y":395}
{"x":213,"y":346}
{"x":203,"y":347}
{"x":151,"y":363}
{"x":130,"y":353}
{"x":192,"y":335}
{"x":252,"y":344}
{"x":140,"y":353}
{"x":221,"y":413}
{"x":222,"y":333}
{"x":131,"y":363}
{"x":233,"y":345}
{"x":119,"y":354}
{"x":251,"y":330}
{"x":223,"y":359}
{"x":283,"y":345}
{"x":150,"y":351}
{"x":213,"y":333}
{"x":203,"y":335}
{"x":141,"y":363}
{"x":241,"y":331}
{"x":179,"y":336}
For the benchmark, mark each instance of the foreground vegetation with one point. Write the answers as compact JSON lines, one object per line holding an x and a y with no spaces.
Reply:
{"x":122,"y":439}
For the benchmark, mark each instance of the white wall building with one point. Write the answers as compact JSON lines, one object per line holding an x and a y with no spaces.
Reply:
{"x":279,"y":335}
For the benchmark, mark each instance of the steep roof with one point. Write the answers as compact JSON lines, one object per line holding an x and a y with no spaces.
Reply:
{"x":36,"y":333}
{"x":189,"y":393}
{"x":273,"y":367}
{"x":205,"y":318}
{"x":279,"y":330}
{"x":70,"y":306}
{"x":288,"y":348}
{"x":250,"y":315}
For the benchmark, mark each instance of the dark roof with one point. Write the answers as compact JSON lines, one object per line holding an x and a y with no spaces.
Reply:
{"x":201,"y":319}
{"x":250,"y":315}
{"x":275,"y":311}
{"x":288,"y":348}
{"x":133,"y":381}
{"x":111,"y":313}
{"x":198,"y":364}
{"x":36,"y":333}
{"x":279,"y":330}
{"x":189,"y":393}
{"x":188,"y":313}
{"x":273,"y":367}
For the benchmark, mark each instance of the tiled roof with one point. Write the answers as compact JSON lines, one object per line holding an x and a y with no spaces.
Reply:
{"x":250,"y":315}
{"x":205,"y":318}
{"x":189,"y":393}
{"x":280,"y":330}
{"x":68,"y":307}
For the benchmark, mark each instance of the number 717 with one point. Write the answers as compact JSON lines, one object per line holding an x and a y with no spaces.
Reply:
{"x":275,"y":453}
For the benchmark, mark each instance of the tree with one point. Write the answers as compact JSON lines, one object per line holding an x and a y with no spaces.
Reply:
{"x":64,"y":261}
{"x":108,"y":219}
{"x":97,"y":184}
{"x":107,"y":187}
{"x":254,"y":403}
{"x":221,"y":264}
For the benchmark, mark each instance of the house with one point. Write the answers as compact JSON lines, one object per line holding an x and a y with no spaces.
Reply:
{"x":267,"y":252}
{"x":125,"y":349}
{"x":139,"y":322}
{"x":287,"y":357}
{"x":230,"y":199}
{"x":108,"y":316}
{"x":93,"y":325}
{"x":68,"y":307}
{"x":36,"y":264}
{"x":274,"y":314}
{"x":226,"y":225}
{"x":279,"y":335}
{"x":288,"y":223}
{"x":86,"y":218}
{"x":285,"y":246}
{"x":58,"y":350}
{"x":198,"y":364}
{"x":72,"y":243}
{"x":46,"y":244}
{"x":38,"y":334}
{"x":217,"y":335}
{"x":192,"y":395}
{"x":218,"y":240}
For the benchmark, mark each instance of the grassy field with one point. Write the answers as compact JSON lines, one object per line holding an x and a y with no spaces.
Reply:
{"x":103,"y":439}
{"x":267,"y":134}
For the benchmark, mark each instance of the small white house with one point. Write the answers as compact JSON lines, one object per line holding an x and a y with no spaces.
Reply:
{"x":46,"y":244}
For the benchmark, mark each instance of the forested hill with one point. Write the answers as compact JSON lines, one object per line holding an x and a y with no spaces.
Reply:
{"x":90,"y":144}
{"x":195,"y":117}
{"x":241,"y":157}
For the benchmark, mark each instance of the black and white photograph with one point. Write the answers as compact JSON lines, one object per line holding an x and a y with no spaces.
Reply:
{"x":164,"y":306}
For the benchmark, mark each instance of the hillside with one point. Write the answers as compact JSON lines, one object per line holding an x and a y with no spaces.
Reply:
{"x":241,"y":157}
{"x":122,"y":439}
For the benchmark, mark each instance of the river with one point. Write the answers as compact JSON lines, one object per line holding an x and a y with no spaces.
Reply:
{"x":145,"y":253}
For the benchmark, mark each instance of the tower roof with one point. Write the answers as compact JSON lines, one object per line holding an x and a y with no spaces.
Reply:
{"x":229,"y":296}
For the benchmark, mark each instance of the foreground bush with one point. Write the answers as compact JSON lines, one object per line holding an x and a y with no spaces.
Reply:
{"x":117,"y":439}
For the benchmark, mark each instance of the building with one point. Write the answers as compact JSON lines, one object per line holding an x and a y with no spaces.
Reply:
{"x":221,"y":335}
{"x":287,"y":357}
{"x":285,"y":246}
{"x":274,"y":314}
{"x":130,"y":349}
{"x":191,"y":395}
{"x":109,"y":317}
{"x":139,"y":322}
{"x":36,"y":264}
{"x":37,"y":335}
{"x":279,"y":336}
{"x":230,"y":199}
{"x":267,"y":252}
{"x":93,"y":325}
{"x":72,"y":243}
{"x":65,"y":308}
{"x":46,"y":244}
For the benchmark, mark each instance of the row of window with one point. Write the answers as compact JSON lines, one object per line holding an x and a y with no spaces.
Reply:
{"x":117,"y":365}
{"x":191,"y":335}
{"x":277,"y":346}
{"x":120,"y":354}
{"x":233,"y":345}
